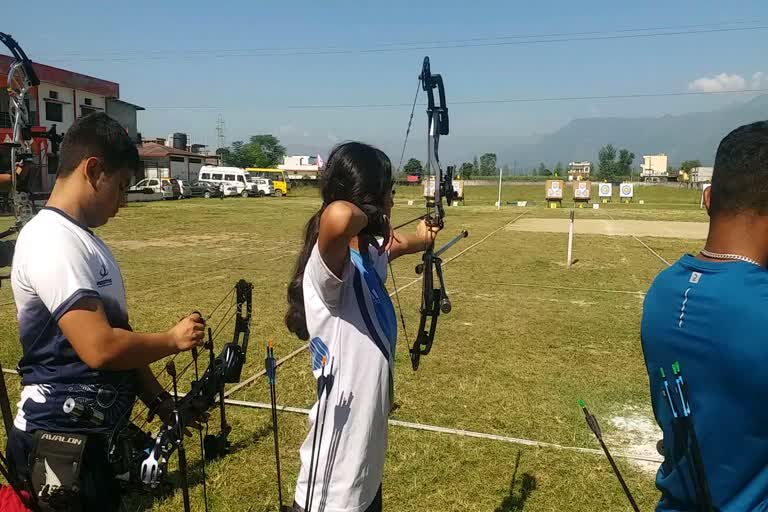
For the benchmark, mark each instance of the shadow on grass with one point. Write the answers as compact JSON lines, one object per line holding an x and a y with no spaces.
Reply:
{"x":138,"y":501}
{"x":516,"y":499}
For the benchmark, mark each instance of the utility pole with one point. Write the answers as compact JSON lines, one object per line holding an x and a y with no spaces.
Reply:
{"x":498,"y":203}
{"x":220,"y":133}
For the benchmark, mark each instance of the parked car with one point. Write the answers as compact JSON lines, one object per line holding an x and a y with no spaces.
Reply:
{"x":150,"y":183}
{"x":170,"y":188}
{"x":204,"y":189}
{"x":262,"y":186}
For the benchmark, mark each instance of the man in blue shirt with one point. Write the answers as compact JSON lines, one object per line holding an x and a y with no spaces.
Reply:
{"x":708,"y":312}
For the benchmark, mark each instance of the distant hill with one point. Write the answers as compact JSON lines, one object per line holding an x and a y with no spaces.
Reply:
{"x":682,"y":137}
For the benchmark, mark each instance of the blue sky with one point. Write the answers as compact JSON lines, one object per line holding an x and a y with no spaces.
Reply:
{"x":188,"y":62}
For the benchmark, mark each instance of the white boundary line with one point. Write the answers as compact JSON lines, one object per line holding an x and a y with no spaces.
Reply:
{"x":571,"y":288}
{"x":458,"y":432}
{"x":652,"y":251}
{"x":486,"y":237}
{"x":263,"y":372}
{"x":644,"y":244}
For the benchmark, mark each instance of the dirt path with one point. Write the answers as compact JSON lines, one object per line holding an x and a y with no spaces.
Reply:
{"x":689,"y":230}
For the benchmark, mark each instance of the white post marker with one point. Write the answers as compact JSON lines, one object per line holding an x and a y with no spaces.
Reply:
{"x":498,"y":203}
{"x":570,"y":241}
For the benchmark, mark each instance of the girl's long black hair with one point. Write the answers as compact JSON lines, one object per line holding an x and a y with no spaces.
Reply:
{"x":354,"y":172}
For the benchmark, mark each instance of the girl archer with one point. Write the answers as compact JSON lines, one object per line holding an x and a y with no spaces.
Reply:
{"x":338,"y":301}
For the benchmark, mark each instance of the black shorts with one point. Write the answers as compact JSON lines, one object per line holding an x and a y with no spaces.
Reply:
{"x":99,"y":491}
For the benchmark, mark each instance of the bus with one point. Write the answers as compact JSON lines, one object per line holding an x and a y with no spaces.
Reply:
{"x":278,"y":177}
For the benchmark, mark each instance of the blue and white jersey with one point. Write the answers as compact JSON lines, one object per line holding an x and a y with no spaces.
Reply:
{"x":710,"y":317}
{"x":351,"y":321}
{"x":56,"y":263}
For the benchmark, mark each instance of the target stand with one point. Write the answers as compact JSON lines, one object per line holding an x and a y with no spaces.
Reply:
{"x":605,"y":192}
{"x":626,"y":192}
{"x":554,"y":193}
{"x":582,"y":191}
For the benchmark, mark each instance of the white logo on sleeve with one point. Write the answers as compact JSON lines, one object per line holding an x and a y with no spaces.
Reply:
{"x":695,"y":278}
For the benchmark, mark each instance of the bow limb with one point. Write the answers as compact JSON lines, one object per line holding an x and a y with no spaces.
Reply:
{"x":20,"y":80}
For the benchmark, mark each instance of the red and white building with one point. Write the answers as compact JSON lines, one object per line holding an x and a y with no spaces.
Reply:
{"x":61,"y":98}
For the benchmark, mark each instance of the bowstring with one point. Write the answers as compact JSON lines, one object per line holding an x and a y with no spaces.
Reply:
{"x":400,"y":166}
{"x":218,"y":328}
{"x":410,"y":122}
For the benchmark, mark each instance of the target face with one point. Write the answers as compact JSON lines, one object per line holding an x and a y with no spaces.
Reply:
{"x":606,"y":190}
{"x":554,"y":189}
{"x":581,"y":190}
{"x":626,"y":190}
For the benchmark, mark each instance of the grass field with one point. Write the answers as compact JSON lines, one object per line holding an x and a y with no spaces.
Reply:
{"x":526,"y":339}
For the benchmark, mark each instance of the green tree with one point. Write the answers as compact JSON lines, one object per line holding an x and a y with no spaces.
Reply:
{"x":467,"y":170}
{"x":559,"y":169}
{"x":260,"y":151}
{"x":542,"y":170}
{"x":624,"y":165}
{"x":413,"y":167}
{"x":687,"y":165}
{"x":607,"y":163}
{"x":476,"y":166}
{"x":506,"y":170}
{"x":488,"y":164}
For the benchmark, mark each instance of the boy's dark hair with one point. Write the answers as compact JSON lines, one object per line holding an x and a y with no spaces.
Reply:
{"x":740,"y":177}
{"x":98,"y":135}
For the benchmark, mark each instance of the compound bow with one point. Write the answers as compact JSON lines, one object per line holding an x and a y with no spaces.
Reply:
{"x":21,"y":78}
{"x":439,"y":188}
{"x":141,"y":460}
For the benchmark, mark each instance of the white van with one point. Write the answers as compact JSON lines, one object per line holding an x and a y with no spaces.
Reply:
{"x":236,"y":181}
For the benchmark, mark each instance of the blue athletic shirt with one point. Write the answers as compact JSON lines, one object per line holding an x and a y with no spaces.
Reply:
{"x":711,"y":317}
{"x":57,"y":262}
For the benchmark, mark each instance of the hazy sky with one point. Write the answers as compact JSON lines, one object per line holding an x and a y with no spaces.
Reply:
{"x":259,"y":64}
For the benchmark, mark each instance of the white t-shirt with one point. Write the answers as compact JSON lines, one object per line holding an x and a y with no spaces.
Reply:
{"x":351,"y":321}
{"x":57,"y":262}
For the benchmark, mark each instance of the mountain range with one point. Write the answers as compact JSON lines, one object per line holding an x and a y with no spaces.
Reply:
{"x":681,"y":137}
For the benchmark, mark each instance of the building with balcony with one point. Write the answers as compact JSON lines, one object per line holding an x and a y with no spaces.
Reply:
{"x":654,"y":168}
{"x":301,"y":167}
{"x":61,"y":98}
{"x":579,"y":170}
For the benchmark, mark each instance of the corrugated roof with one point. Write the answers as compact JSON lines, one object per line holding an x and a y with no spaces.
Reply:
{"x":154,"y":150}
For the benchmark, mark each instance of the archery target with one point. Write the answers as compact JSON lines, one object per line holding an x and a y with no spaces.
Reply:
{"x":626,"y":190}
{"x":581,"y":189}
{"x":605,"y":190}
{"x":554,"y":189}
